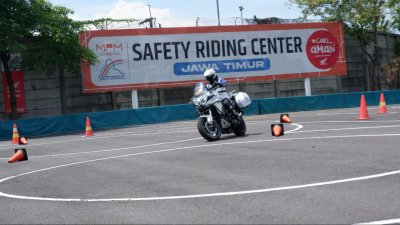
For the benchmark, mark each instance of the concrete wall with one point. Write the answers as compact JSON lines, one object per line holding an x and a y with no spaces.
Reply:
{"x":43,"y":96}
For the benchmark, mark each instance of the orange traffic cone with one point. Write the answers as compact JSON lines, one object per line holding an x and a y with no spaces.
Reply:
{"x":20,"y":155}
{"x":363,"y":109}
{"x":382,"y":104}
{"x":285,"y":118}
{"x":15,"y":136}
{"x":22,"y":141}
{"x":277,"y":130}
{"x":89,"y":131}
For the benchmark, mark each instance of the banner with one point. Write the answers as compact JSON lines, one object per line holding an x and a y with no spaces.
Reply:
{"x":168,"y":57}
{"x":18,"y":79}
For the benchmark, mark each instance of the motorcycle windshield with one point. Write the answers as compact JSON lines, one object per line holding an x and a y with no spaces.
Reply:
{"x":199,"y":89}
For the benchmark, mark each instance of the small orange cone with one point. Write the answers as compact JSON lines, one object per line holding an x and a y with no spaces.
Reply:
{"x":89,"y":131}
{"x":22,"y":140}
{"x":285,"y":118}
{"x":20,"y":155}
{"x":382,"y":104}
{"x":15,"y":136}
{"x":277,"y":130}
{"x":363,"y":109}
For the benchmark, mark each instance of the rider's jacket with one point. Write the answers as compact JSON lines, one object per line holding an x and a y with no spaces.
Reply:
{"x":218,"y":81}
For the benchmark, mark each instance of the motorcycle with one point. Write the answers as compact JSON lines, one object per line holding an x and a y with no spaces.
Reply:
{"x":219,"y":112}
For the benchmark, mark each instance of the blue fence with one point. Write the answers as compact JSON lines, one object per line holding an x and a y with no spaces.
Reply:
{"x":112,"y":119}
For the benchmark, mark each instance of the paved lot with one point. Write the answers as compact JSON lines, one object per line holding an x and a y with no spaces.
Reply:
{"x":329,"y":167}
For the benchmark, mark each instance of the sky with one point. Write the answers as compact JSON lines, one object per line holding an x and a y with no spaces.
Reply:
{"x":175,"y":13}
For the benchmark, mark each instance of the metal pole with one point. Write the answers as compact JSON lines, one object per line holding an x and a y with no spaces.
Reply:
{"x":135,"y":99}
{"x":307,"y":86}
{"x":151,"y":18}
{"x":197,"y":21}
{"x":219,"y":20}
{"x":241,"y":13}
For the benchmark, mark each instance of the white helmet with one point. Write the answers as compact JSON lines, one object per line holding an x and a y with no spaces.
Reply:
{"x":209,"y":73}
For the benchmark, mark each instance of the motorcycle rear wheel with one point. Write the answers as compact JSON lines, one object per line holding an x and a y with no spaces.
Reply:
{"x":211,"y":132}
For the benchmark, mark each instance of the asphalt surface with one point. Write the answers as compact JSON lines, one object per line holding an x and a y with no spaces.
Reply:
{"x":328,"y":168}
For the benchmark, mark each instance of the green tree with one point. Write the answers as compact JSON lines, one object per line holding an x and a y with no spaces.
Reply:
{"x":362,"y":19}
{"x":14,"y":29}
{"x":269,"y":20}
{"x":392,"y":70}
{"x":44,"y":36}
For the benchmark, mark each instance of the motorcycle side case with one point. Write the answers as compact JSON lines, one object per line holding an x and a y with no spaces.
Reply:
{"x":242,"y":99}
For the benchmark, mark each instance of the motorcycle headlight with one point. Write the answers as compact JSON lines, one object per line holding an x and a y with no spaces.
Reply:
{"x":203,"y":101}
{"x":195,"y":101}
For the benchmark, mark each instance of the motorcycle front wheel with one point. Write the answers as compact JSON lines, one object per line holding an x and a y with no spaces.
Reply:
{"x":209,"y":131}
{"x":240,"y":129}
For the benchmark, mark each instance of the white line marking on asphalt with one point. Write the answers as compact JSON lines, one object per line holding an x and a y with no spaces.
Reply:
{"x":200,"y":195}
{"x":295,"y":129}
{"x":114,"y":149}
{"x":334,"y":114}
{"x":349,"y":128}
{"x":355,"y":121}
{"x":392,"y":221}
{"x":120,"y":133}
{"x":110,"y":136}
{"x":259,"y":121}
{"x":126,"y":148}
{"x":139,"y":130}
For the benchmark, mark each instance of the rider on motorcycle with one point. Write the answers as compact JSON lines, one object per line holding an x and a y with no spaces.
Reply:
{"x":214,"y":82}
